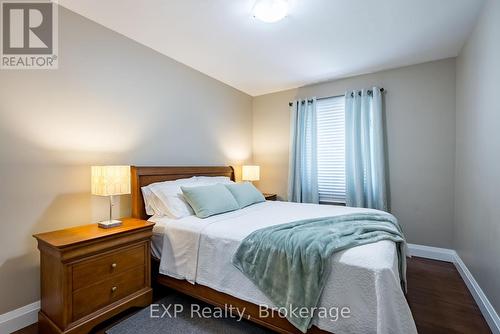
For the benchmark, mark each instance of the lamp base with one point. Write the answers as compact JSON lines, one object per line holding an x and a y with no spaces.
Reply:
{"x":109,"y":223}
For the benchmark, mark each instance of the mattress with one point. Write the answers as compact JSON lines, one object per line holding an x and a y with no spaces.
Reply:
{"x":364,"y":279}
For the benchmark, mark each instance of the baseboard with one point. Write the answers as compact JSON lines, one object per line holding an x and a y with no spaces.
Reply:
{"x":449,"y":255}
{"x":488,"y":311}
{"x":19,"y":318}
{"x":27,"y":315}
{"x":434,"y":253}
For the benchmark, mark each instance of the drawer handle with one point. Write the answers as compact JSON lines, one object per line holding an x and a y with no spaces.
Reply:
{"x":113,"y":289}
{"x":113,"y":265}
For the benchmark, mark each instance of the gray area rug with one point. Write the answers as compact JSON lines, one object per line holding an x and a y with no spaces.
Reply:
{"x":166,"y":316}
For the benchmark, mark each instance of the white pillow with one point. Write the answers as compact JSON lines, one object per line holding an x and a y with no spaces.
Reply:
{"x":166,"y":198}
{"x":153,"y":205}
{"x":148,"y":195}
{"x":209,"y":180}
{"x":170,"y":202}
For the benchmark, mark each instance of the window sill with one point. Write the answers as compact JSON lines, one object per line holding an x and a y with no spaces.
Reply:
{"x":333,"y":203}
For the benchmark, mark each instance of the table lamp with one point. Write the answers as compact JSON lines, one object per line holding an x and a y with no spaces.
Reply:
{"x":110,"y":181}
{"x":250,"y":173}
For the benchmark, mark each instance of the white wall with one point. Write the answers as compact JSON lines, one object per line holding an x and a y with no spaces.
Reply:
{"x":420,"y":119}
{"x":112,"y":101}
{"x":477,"y":188}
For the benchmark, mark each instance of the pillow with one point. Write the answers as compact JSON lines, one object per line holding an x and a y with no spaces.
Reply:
{"x":191,"y":179}
{"x":166,"y":199}
{"x":148,"y":195}
{"x":209,"y":200}
{"x":213,"y":179}
{"x":245,"y":194}
{"x":169,"y":200}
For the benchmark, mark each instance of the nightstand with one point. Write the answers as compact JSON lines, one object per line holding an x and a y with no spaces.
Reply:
{"x":89,"y":274}
{"x":270,"y":197}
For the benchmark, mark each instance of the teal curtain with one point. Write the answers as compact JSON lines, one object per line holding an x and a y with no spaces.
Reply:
{"x":365,"y":156}
{"x":303,"y":170}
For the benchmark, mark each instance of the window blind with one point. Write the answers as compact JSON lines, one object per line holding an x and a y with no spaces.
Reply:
{"x":331,"y":149}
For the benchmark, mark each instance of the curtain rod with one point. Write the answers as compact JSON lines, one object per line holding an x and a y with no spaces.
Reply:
{"x":329,"y":97}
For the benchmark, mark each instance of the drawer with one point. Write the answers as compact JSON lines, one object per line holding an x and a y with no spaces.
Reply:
{"x":95,"y":297}
{"x":100,"y":268}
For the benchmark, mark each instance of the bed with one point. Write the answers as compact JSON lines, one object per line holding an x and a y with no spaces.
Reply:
{"x":365,"y":279}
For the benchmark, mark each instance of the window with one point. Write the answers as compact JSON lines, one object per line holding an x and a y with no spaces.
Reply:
{"x":331,"y":149}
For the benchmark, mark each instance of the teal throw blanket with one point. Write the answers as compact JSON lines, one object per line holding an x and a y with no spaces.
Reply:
{"x":289,"y":262}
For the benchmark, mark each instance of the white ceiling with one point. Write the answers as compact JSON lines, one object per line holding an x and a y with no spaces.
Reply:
{"x":319,"y":40}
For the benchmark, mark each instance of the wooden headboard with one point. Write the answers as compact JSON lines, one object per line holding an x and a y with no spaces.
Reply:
{"x":143,"y":176}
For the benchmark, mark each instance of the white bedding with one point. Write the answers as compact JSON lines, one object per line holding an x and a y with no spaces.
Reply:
{"x":365,"y":278}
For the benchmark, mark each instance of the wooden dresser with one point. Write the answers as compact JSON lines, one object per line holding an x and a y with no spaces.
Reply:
{"x":89,"y":274}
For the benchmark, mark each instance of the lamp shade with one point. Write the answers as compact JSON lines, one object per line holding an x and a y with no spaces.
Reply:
{"x":250,"y":173}
{"x":110,"y":180}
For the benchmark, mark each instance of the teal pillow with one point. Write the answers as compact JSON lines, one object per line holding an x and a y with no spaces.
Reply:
{"x":245,"y":193}
{"x":210,"y":200}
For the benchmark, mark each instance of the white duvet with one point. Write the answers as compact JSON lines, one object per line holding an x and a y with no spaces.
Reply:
{"x":364,"y":279}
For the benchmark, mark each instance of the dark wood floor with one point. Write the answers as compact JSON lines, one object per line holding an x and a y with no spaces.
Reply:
{"x":440,"y":301}
{"x":438,"y":298}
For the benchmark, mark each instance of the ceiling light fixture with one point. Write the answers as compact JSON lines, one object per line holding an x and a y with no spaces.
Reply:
{"x":270,"y":11}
